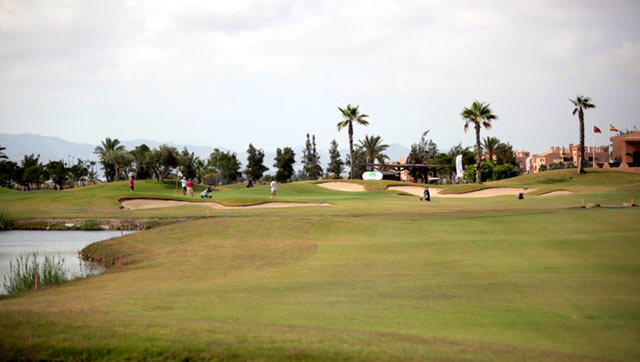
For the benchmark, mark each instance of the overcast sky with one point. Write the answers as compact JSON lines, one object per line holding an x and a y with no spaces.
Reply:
{"x":226,"y":73}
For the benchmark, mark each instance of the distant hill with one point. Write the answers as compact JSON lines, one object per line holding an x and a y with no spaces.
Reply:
{"x":49,"y":148}
{"x":54,"y":148}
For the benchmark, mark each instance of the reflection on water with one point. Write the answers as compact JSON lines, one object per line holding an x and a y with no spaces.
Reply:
{"x":65,"y":244}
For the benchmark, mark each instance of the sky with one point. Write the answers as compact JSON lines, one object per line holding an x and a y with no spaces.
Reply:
{"x":226,"y":73}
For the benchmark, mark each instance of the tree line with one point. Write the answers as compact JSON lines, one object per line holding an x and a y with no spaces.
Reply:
{"x":117,"y":163}
{"x":142,"y":162}
{"x":31,"y":173}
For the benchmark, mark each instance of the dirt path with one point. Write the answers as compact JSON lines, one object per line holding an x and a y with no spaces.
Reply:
{"x":141,"y":204}
{"x":435,"y":192}
{"x":342,"y":186}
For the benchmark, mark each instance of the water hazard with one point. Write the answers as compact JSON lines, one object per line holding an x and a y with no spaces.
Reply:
{"x":64,"y":244}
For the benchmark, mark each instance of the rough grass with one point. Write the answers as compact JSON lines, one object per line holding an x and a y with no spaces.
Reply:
{"x":376,"y":276}
{"x":23,"y":271}
{"x":6,"y":220}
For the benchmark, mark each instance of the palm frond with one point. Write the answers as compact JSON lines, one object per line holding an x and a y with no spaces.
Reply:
{"x":343,"y":124}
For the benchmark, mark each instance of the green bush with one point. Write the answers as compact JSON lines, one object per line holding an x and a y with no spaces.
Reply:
{"x":556,"y":166}
{"x":486,"y":172}
{"x":470,"y":174}
{"x":5,"y":219}
{"x":91,"y":224}
{"x":504,"y":171}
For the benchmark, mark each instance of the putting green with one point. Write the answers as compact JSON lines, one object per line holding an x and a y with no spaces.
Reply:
{"x":376,"y":276}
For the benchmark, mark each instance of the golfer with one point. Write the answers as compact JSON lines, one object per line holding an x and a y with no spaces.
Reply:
{"x":190,"y":188}
{"x":427,"y":195}
{"x":184,"y":186}
{"x":273,"y":189}
{"x":131,"y":183}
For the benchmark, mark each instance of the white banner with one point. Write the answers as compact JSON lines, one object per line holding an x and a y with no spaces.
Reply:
{"x":459,"y":170}
{"x":372,"y":175}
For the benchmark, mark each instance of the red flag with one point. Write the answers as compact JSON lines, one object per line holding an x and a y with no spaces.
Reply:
{"x":596,"y":130}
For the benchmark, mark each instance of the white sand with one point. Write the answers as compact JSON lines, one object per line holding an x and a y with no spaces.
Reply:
{"x":141,"y":204}
{"x":556,"y":193}
{"x":435,"y":192}
{"x":342,"y":186}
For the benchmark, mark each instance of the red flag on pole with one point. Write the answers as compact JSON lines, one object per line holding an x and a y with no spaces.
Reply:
{"x":596,"y":130}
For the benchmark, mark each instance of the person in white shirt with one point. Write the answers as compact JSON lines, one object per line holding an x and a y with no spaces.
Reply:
{"x":184,"y":186}
{"x":273,"y":189}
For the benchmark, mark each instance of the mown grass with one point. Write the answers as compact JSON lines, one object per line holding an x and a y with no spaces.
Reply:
{"x":376,"y":276}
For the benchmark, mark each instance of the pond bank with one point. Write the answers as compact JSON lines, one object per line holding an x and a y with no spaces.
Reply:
{"x":62,"y":245}
{"x":92,"y":224}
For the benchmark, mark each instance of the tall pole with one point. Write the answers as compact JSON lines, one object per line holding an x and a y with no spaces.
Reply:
{"x":610,"y":150}
{"x":593,"y":148}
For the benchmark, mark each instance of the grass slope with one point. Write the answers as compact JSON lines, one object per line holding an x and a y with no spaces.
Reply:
{"x":377,"y":276}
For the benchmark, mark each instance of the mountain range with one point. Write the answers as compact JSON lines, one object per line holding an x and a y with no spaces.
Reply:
{"x":54,"y":148}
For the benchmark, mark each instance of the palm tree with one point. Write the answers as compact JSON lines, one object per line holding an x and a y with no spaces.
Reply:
{"x":479,"y":115}
{"x":108,"y":145}
{"x":373,"y":147}
{"x":3,"y":156}
{"x":200,"y":167}
{"x":92,"y":177}
{"x":489,"y":145}
{"x":351,"y":115}
{"x":382,"y":157}
{"x":581,"y":103}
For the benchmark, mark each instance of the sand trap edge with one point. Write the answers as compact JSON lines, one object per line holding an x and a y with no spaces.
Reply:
{"x":342,"y":186}
{"x":488,"y":192}
{"x":144,"y":203}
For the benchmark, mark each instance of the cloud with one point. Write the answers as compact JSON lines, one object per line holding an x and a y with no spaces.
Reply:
{"x":248,"y":63}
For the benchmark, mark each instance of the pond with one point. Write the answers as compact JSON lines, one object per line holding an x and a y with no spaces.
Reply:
{"x":64,"y":244}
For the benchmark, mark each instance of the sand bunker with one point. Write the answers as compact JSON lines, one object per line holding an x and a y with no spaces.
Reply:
{"x":342,"y":186}
{"x":141,"y":204}
{"x":556,"y":193}
{"x":435,"y":192}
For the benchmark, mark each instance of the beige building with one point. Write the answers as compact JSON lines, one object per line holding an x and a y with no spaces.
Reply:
{"x":404,"y":175}
{"x":521,"y":158}
{"x":569,"y":155}
{"x":626,"y":152}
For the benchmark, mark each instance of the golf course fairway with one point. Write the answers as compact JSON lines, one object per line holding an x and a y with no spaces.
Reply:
{"x":376,"y":275}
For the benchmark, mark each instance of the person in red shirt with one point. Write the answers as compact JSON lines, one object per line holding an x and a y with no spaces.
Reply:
{"x":131,"y":183}
{"x":190,"y":188}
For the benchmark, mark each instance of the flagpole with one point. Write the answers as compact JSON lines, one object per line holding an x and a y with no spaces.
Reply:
{"x":593,"y":147}
{"x":609,"y":144}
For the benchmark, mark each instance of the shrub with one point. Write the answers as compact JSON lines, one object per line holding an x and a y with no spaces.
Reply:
{"x":470,"y":174}
{"x":556,"y":166}
{"x":5,"y":219}
{"x":504,"y":171}
{"x":91,"y":224}
{"x":486,"y":172}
